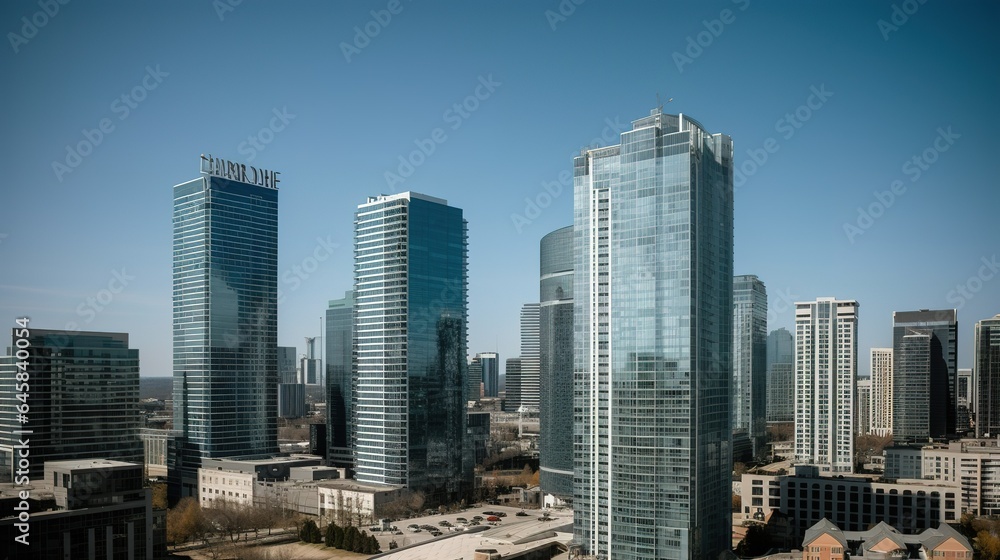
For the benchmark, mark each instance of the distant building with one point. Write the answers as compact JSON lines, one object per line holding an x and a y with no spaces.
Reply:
{"x":924,"y":364}
{"x":234,"y":479}
{"x":288,"y":364}
{"x":86,"y":508}
{"x":310,"y":366}
{"x":973,"y":463}
{"x":749,"y":406}
{"x":340,"y":379}
{"x":966,"y":400}
{"x":862,"y":415}
{"x":555,"y":447}
{"x":780,"y":376}
{"x":987,"y":370}
{"x":881,"y":391}
{"x":491,"y":373}
{"x":155,"y":446}
{"x":513,"y":372}
{"x":826,"y":540}
{"x":83,"y":400}
{"x":529,"y":382}
{"x":479,"y":433}
{"x":826,"y":365}
{"x":291,"y":400}
{"x":474,"y":389}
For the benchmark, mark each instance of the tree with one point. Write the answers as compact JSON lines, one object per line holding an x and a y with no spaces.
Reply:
{"x":988,"y":545}
{"x":310,"y":533}
{"x":331,"y":535}
{"x":187,"y":521}
{"x":160,"y":495}
{"x":737,"y":502}
{"x":756,"y":541}
{"x":393,"y":545}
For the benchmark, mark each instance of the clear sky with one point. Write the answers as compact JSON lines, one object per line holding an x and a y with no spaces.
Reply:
{"x":826,"y":107}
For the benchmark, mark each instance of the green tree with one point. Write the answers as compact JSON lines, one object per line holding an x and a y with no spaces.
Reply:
{"x":755,"y":543}
{"x":331,"y":535}
{"x":310,"y":533}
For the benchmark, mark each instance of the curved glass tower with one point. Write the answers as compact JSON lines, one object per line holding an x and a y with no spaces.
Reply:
{"x":653,"y":303}
{"x":556,"y":363}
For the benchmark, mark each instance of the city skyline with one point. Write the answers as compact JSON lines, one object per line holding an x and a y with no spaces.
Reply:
{"x":816,"y":122}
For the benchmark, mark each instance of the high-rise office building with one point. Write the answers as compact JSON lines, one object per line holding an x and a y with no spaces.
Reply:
{"x":986,"y":362}
{"x":310,"y":366}
{"x":225,"y":285}
{"x":410,"y":328}
{"x":965,"y":398}
{"x":474,"y":390}
{"x":826,"y":367}
{"x":82,"y":399}
{"x":881,"y":392}
{"x":780,"y":376}
{"x":491,"y":373}
{"x":935,"y":368}
{"x":512,"y":374}
{"x":287,"y":365}
{"x":653,"y":303}
{"x":529,"y":390}
{"x":750,"y":360}
{"x":555,"y":413}
{"x":340,"y":379}
{"x":862,"y":413}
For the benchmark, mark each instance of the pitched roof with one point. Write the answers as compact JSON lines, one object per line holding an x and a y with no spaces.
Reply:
{"x":824,"y":527}
{"x":932,"y":538}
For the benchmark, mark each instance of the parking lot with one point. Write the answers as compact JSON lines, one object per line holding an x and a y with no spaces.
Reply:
{"x":450,"y":523}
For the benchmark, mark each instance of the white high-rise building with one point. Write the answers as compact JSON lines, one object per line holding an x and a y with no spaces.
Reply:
{"x":530,"y":363}
{"x":826,"y":366}
{"x":881,"y":403}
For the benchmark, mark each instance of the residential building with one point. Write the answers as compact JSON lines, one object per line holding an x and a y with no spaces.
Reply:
{"x":780,"y":376}
{"x":529,"y":389}
{"x":749,"y":406}
{"x":340,"y":379}
{"x":826,"y":366}
{"x":410,"y":331}
{"x":826,"y":541}
{"x":862,"y":413}
{"x":225,"y":326}
{"x":986,"y":362}
{"x":653,"y":301}
{"x":922,"y":368}
{"x":973,"y":463}
{"x":881,"y":391}
{"x":82,"y":399}
{"x":965,"y":399}
{"x":555,"y":446}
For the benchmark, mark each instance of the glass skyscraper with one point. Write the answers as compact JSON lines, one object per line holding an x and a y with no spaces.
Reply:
{"x":225,"y":276}
{"x":83,"y":400}
{"x":411,"y":294}
{"x":919,"y":372}
{"x":987,"y":373}
{"x":653,"y":304}
{"x":555,"y":413}
{"x":780,"y":376}
{"x":340,"y":379}
{"x":750,"y":360}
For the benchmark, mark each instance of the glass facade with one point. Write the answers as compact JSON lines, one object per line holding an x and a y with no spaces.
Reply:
{"x":411,"y":294}
{"x":556,"y":363}
{"x":987,"y":373}
{"x":490,"y":362}
{"x":653,"y":300}
{"x":911,"y":388}
{"x":225,"y":276}
{"x":780,"y":376}
{"x":339,"y":379}
{"x":940,"y":369}
{"x":750,"y":360}
{"x":83,"y":400}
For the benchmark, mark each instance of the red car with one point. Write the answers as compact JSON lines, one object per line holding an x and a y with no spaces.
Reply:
{"x":493,"y":518}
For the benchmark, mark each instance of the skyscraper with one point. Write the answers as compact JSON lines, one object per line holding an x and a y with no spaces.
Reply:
{"x":935,"y":368}
{"x":653,"y":273}
{"x":529,"y":389}
{"x":83,"y":400}
{"x":287,"y":365}
{"x":750,"y":360}
{"x":987,"y":370}
{"x":410,"y":325}
{"x":966,"y":400}
{"x":490,"y":362}
{"x":474,"y":390}
{"x":512,"y":375}
{"x":862,"y":413}
{"x":881,"y":392}
{"x":826,"y":365}
{"x":339,"y":379}
{"x":555,"y":413}
{"x":780,"y":376}
{"x":225,"y":285}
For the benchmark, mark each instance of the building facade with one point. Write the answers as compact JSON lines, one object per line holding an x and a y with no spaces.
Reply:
{"x":530,"y":349}
{"x":653,"y":300}
{"x":780,"y":376}
{"x":965,"y":399}
{"x":225,"y":276}
{"x":826,"y":366}
{"x":340,"y":380}
{"x":288,"y":364}
{"x":410,"y":324}
{"x":881,"y":391}
{"x":974,"y":464}
{"x":83,"y":399}
{"x":924,"y":368}
{"x":862,"y":412}
{"x":513,"y":372}
{"x":490,"y":362}
{"x":556,"y":363}
{"x":986,"y":362}
{"x":750,"y":360}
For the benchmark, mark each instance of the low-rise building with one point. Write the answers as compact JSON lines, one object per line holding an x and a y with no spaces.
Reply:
{"x":826,"y":541}
{"x":974,"y":464}
{"x":234,"y":479}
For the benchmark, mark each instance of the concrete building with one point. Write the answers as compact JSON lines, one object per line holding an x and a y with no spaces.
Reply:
{"x":881,"y":391}
{"x":972,"y":463}
{"x":862,"y":414}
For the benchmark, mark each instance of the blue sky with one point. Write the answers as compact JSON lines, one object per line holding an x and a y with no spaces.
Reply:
{"x":827,"y":108}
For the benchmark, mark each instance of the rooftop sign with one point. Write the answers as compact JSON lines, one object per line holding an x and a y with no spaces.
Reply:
{"x":218,"y":167}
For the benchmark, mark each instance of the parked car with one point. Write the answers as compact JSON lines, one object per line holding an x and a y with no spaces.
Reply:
{"x":477,"y":517}
{"x":462,"y":520}
{"x":521,"y":514}
{"x":501,"y":514}
{"x":493,"y":518}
